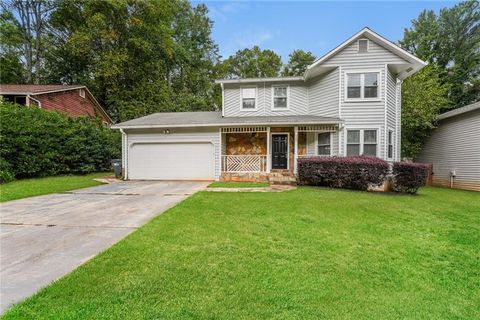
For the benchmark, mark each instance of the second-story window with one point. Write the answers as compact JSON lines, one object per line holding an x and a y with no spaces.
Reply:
{"x":280,"y":97}
{"x":249,"y":98}
{"x":362,"y":85}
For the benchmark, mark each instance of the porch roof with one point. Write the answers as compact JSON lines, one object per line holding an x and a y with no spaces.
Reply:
{"x":215,"y":119}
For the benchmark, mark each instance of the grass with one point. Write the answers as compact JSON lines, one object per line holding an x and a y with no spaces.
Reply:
{"x":39,"y":186}
{"x":231,"y":184}
{"x":303,"y":254}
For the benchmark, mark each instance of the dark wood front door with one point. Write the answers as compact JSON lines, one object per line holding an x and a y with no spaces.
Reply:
{"x":280,"y":151}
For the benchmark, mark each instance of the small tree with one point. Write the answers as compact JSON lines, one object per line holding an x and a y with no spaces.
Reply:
{"x":423,"y":97}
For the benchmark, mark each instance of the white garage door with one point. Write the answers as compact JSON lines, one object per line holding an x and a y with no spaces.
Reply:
{"x":171,"y":161}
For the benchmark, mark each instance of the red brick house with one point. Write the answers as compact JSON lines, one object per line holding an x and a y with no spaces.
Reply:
{"x":73,"y":100}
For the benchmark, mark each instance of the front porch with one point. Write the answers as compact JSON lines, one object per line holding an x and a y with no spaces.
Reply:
{"x":266,"y":153}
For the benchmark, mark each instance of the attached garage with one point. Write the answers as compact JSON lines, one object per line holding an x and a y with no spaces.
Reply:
{"x":173,"y":154}
{"x":172,"y":161}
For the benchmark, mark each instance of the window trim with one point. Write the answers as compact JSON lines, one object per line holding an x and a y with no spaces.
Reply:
{"x":361,"y":137}
{"x":81,"y":93}
{"x":390,"y":130}
{"x":331,"y":144}
{"x":362,"y":85}
{"x":358,"y":45}
{"x":273,"y":97}
{"x":241,"y":98}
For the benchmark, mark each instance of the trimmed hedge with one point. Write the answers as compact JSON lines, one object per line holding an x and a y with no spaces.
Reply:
{"x":35,"y":142}
{"x":408,"y":176}
{"x":353,"y":172}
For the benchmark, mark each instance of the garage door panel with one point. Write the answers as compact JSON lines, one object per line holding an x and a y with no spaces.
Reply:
{"x":171,"y":161}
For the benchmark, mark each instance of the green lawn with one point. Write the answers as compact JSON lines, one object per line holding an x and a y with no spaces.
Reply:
{"x":35,"y":187}
{"x":231,"y":184}
{"x":303,"y":254}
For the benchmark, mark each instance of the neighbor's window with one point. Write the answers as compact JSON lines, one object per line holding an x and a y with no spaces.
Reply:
{"x":361,"y":142}
{"x":353,"y":142}
{"x":362,"y":85}
{"x":370,"y":142}
{"x":249,"y":98}
{"x":324,"y":144}
{"x":280,"y":97}
{"x":390,"y":144}
{"x":81,"y":92}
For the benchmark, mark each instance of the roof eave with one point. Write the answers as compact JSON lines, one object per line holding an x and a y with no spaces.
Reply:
{"x":333,"y":121}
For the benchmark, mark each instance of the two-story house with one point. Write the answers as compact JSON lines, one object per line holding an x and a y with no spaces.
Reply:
{"x":348,"y":102}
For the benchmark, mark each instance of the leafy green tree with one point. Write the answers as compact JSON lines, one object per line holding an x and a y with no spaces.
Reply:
{"x":253,"y":63}
{"x":11,"y":70}
{"x":138,"y":57}
{"x":423,"y":97}
{"x":450,"y":40}
{"x":298,"y":61}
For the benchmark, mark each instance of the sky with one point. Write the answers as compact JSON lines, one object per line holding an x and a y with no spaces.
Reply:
{"x":316,"y":26}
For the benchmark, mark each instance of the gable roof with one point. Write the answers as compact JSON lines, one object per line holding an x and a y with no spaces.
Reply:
{"x":459,"y":111}
{"x":34,"y":89}
{"x":415,"y":63}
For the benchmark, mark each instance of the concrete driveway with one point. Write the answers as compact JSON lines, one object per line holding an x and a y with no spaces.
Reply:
{"x":43,"y":238}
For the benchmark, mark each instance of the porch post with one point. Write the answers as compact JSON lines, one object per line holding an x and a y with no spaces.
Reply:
{"x":268,"y":150}
{"x":295,"y":151}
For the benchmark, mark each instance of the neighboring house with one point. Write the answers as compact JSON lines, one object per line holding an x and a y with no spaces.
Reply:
{"x":74,"y":100}
{"x":346,"y":103}
{"x":454,"y":149}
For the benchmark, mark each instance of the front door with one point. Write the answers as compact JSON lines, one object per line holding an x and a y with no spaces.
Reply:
{"x":280,"y":151}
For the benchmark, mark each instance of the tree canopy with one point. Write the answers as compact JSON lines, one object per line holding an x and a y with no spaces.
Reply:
{"x":451,"y":41}
{"x":253,"y":63}
{"x":298,"y":61}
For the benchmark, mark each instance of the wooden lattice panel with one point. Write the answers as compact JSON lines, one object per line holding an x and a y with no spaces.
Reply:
{"x":244,"y":163}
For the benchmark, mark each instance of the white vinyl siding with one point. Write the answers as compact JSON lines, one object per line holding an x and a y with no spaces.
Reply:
{"x":297,"y":104}
{"x":323,"y":95}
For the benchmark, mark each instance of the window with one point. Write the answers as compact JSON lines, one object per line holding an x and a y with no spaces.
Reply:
{"x":105,"y":124}
{"x":361,"y":142}
{"x":362,"y":85}
{"x":370,"y":142}
{"x":249,"y":98}
{"x":280,"y":97}
{"x":353,"y":142}
{"x":390,"y":144}
{"x":363,"y":45}
{"x":81,"y":92}
{"x":324,"y":144}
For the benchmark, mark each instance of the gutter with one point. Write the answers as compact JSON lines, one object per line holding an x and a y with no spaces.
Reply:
{"x":226,"y":124}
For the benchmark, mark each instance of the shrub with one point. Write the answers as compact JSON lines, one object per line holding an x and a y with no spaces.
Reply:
{"x":6,"y":174}
{"x":35,"y":142}
{"x":353,"y":172}
{"x":408,"y":176}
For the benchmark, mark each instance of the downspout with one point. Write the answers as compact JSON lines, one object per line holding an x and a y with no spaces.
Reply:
{"x":125,"y":155}
{"x":39,"y":104}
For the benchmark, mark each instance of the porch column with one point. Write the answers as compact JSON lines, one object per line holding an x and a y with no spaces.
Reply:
{"x":269,"y":166}
{"x":295,"y":151}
